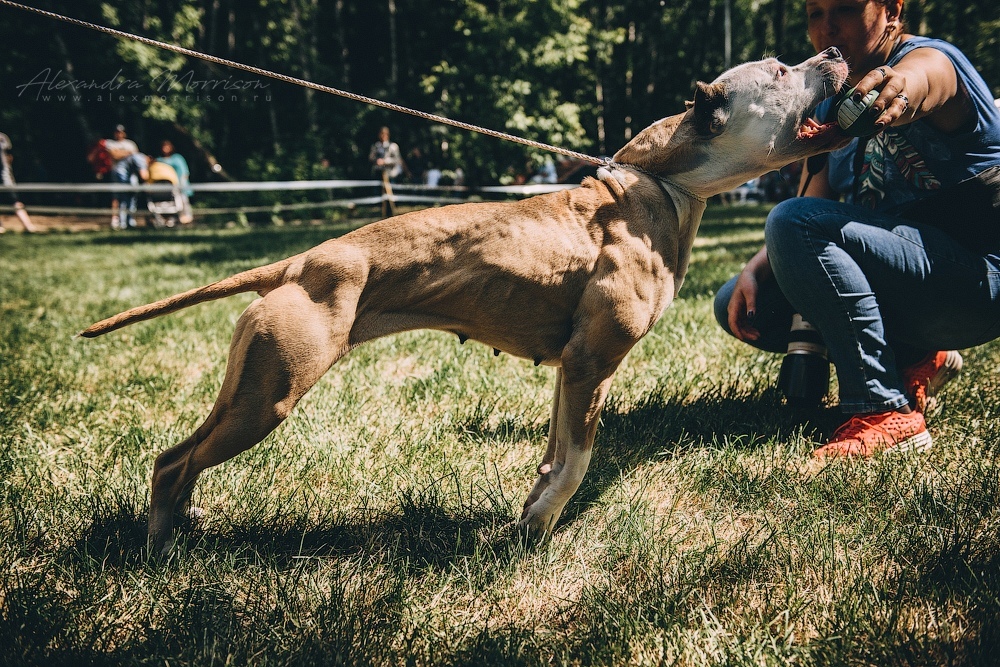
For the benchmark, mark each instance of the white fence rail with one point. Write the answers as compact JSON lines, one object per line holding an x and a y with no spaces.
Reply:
{"x":403,"y":193}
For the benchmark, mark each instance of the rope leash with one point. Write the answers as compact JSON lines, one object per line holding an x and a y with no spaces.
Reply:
{"x":606,"y":162}
{"x":304,"y":83}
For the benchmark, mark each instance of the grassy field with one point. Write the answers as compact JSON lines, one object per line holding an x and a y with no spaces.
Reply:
{"x":372,"y":528}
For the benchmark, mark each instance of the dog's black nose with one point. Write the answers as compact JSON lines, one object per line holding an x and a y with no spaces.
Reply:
{"x":833,"y":53}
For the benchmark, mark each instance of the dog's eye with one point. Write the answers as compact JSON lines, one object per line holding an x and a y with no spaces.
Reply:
{"x":780,"y":72}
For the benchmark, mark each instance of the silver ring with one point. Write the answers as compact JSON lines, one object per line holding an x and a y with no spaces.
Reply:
{"x":906,"y":101}
{"x":881,"y":70}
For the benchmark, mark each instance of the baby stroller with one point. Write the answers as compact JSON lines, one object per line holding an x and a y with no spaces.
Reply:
{"x":165,"y":207}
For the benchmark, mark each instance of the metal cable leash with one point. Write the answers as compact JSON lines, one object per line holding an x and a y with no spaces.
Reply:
{"x":307,"y":84}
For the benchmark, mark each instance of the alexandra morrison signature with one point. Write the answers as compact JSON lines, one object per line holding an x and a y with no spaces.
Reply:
{"x":47,"y":81}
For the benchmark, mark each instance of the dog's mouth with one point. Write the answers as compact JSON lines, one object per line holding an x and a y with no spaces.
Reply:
{"x":810,"y":130}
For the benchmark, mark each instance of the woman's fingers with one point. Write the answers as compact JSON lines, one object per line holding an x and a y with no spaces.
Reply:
{"x":742,"y":307}
{"x":892,"y":101}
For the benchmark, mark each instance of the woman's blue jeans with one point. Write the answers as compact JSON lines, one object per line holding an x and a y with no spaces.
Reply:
{"x":882,"y":291}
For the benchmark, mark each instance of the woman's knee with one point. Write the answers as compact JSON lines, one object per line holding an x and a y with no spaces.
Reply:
{"x":786,"y":222}
{"x":722,"y":298}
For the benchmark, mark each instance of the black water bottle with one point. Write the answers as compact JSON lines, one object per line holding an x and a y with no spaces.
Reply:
{"x":805,"y":371}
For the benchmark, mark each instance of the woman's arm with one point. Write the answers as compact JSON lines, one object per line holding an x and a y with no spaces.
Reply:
{"x":819,"y":184}
{"x":743,"y":303}
{"x":923,"y":84}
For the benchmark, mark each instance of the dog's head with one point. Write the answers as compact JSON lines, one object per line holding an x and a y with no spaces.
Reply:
{"x":753,"y":118}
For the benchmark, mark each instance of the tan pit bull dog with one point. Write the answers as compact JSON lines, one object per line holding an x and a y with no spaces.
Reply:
{"x":571,"y":279}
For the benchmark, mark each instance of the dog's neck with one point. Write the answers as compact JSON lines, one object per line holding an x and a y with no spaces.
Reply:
{"x":661,"y":149}
{"x":672,"y":150}
{"x":616,"y":170}
{"x":619,"y":176}
{"x":663,"y":152}
{"x":666,"y":152}
{"x":623,"y":179}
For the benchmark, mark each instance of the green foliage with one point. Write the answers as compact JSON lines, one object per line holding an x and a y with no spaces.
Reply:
{"x":583,"y":74}
{"x":163,"y":68}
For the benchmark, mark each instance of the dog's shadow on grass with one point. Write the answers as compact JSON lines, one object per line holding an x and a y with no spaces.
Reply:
{"x":423,"y":534}
{"x":420,"y":535}
{"x":664,"y":425}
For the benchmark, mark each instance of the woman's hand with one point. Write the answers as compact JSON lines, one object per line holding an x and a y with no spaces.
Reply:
{"x":923,"y":84}
{"x":743,"y":304}
{"x":892,"y":102}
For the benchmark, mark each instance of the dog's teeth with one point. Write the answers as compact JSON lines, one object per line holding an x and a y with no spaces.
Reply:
{"x":496,"y":352}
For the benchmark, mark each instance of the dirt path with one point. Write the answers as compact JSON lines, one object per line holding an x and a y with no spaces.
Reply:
{"x":63,"y":223}
{"x":60,"y":223}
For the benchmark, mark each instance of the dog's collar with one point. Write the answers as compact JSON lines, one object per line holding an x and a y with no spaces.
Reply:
{"x":610,"y":169}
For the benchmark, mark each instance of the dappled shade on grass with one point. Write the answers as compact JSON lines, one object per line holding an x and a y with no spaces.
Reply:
{"x":373,"y":527}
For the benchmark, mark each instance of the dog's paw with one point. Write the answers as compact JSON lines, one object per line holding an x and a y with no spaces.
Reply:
{"x":537,"y":521}
{"x":159,"y":550}
{"x":530,"y":535}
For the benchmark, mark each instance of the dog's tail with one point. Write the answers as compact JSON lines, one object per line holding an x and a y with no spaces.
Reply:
{"x":262,"y":279}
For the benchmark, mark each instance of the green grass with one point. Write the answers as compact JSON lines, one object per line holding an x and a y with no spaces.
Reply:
{"x":373,"y":526}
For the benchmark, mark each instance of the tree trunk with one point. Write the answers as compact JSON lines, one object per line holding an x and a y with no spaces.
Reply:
{"x":213,"y":23}
{"x":345,"y":55}
{"x":393,"y":55}
{"x":597,"y":19}
{"x":307,"y":57}
{"x":779,"y":26}
{"x":86,"y":132}
{"x":728,"y":30}
{"x":629,"y":74}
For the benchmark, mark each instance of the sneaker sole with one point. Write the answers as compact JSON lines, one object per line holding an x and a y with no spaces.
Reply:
{"x":920,"y":442}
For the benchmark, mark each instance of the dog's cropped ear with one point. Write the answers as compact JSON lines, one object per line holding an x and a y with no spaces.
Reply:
{"x":711,"y":108}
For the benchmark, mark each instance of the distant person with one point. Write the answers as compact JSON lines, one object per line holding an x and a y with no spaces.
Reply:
{"x":322,"y":170}
{"x":180,"y":165}
{"x":136,"y":170}
{"x":7,"y":172}
{"x":124,"y":168}
{"x":385,"y":158}
{"x":387,"y":164}
{"x":432,"y":176}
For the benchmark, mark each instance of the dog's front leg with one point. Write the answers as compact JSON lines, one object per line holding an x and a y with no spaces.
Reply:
{"x":579,"y":397}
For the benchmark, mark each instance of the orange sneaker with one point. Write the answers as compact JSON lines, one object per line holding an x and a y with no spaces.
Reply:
{"x":867,"y":435}
{"x":925,"y":379}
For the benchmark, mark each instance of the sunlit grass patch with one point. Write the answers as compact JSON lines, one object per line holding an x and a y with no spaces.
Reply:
{"x":374,"y":526}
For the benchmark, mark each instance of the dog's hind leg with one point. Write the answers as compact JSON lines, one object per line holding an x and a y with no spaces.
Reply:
{"x":284,"y":342}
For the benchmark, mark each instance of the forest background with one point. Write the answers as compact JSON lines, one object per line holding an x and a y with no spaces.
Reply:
{"x":581,"y":74}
